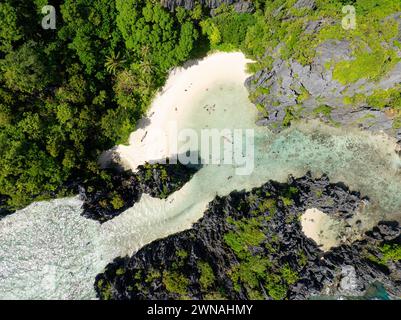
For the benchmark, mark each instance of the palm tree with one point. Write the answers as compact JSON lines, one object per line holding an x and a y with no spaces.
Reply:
{"x":145,"y":51}
{"x":113,"y":63}
{"x":146,"y":68}
{"x":127,"y":83}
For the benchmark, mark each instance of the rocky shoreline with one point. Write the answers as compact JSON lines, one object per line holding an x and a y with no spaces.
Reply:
{"x":288,"y":90}
{"x":250,"y":245}
{"x":289,"y":82}
{"x":116,"y":190}
{"x":106,"y":199}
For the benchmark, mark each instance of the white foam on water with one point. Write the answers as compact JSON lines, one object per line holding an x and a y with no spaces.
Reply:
{"x":49,"y":251}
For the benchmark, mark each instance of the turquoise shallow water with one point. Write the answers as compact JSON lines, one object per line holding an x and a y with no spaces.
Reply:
{"x":49,"y":251}
{"x":376,"y":291}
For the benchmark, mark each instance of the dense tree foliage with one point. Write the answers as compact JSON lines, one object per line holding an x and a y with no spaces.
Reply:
{"x":166,"y":39}
{"x":227,"y":29}
{"x":68,"y":94}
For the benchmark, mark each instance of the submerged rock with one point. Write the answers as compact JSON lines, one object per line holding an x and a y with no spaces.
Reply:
{"x":250,"y":245}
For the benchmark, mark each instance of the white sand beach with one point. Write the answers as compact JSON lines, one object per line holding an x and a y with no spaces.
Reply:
{"x":321,"y":228}
{"x":153,"y":140}
{"x":52,"y":241}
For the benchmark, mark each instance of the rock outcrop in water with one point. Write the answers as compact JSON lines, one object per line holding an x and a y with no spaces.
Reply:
{"x":115,"y":190}
{"x":250,"y":245}
{"x":288,"y":81}
{"x":375,"y":258}
{"x":290,"y":90}
{"x":104,"y":200}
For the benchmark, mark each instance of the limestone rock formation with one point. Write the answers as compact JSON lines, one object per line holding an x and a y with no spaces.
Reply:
{"x":291,"y":90}
{"x":249,"y":245}
{"x":104,"y":201}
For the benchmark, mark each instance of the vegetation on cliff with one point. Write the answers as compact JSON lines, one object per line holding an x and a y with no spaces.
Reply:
{"x":70,"y":93}
{"x":300,"y":31}
{"x":250,"y":245}
{"x":115,"y":191}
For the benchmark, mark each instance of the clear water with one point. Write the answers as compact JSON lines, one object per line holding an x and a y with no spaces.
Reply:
{"x":375,"y":291}
{"x":48,"y":251}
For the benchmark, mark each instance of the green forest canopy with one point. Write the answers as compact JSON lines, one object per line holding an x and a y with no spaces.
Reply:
{"x":68,"y":94}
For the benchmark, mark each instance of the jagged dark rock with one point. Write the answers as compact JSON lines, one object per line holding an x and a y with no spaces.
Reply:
{"x":104,"y":200}
{"x":384,"y":231}
{"x":363,"y":259}
{"x":205,"y":262}
{"x":289,"y":87}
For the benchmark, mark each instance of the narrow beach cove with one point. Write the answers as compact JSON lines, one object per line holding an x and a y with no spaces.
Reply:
{"x":49,"y":242}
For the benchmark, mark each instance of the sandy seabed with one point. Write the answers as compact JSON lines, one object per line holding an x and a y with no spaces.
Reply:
{"x":156,"y":134}
{"x":49,"y":251}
